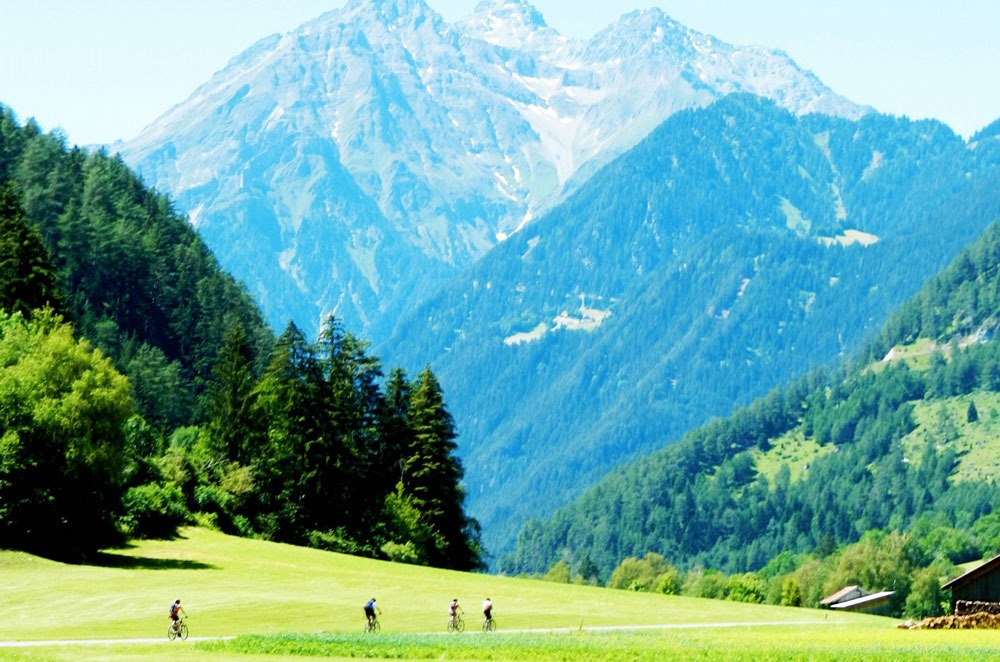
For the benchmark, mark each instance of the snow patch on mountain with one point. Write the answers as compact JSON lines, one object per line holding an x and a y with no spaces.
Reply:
{"x":585,"y":318}
{"x":849,"y":238}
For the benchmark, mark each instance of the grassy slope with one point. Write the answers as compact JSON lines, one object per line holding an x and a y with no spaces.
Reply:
{"x":234,"y":586}
{"x":977,"y":444}
{"x":942,"y":421}
{"x":792,"y":449}
{"x":945,"y":423}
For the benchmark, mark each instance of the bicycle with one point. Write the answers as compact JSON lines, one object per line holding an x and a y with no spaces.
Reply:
{"x":456,"y":624}
{"x":180,"y":631}
{"x":489,"y":624}
{"x":373,"y":625}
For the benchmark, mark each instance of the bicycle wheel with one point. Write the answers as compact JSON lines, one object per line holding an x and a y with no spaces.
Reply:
{"x":171,"y":632}
{"x":489,"y":625}
{"x":460,"y":625}
{"x":184,"y":631}
{"x":451,"y":625}
{"x":374,"y":626}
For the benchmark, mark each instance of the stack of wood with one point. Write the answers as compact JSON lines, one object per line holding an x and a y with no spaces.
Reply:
{"x":967,"y":616}
{"x":968,"y":607}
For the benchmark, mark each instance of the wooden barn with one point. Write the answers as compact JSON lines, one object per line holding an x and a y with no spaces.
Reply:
{"x":873,"y":603}
{"x":843,"y":595}
{"x":981,"y":584}
{"x":855,"y":598}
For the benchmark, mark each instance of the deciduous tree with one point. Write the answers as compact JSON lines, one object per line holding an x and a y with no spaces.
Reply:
{"x":63,"y":409}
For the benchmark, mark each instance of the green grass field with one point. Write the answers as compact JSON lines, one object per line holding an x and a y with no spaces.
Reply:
{"x":279,"y":602}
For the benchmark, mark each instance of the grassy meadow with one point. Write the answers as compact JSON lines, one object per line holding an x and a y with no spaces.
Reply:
{"x":275,"y":602}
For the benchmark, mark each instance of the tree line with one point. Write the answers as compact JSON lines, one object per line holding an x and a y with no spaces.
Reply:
{"x":143,"y":391}
{"x":911,"y":564}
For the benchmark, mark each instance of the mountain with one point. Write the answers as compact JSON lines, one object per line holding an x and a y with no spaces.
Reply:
{"x":596,"y":244}
{"x":735,"y":248}
{"x":354,"y":164}
{"x":892,"y":439}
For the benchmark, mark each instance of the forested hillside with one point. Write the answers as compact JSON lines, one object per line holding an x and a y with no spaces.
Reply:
{"x":735,"y":249}
{"x":140,"y":389}
{"x":137,"y":280}
{"x":816,"y":465}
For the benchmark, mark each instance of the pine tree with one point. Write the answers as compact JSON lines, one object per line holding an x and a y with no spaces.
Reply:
{"x":972,"y":414}
{"x":289,"y":399}
{"x":396,"y":434}
{"x":233,"y":425}
{"x":353,"y":406}
{"x":432,"y":478}
{"x":28,"y":280}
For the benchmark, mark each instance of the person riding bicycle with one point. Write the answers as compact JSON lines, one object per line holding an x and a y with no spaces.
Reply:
{"x":454,"y":610}
{"x":488,"y":610}
{"x":370,"y":608}
{"x":175,"y":613}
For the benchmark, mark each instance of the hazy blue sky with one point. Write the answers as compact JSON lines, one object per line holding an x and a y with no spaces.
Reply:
{"x":101,"y":70}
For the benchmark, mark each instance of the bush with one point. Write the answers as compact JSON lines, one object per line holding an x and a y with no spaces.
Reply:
{"x":705,"y":584}
{"x":643,"y":574}
{"x":746,"y":588}
{"x":559,"y":573}
{"x":791,"y":593}
{"x":153,"y":510}
{"x":400,"y":553}
{"x":669,"y":582}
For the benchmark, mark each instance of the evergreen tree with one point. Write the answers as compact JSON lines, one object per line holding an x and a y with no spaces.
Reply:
{"x":972,"y":414}
{"x":353,"y":405}
{"x":289,"y":399}
{"x":396,"y":434}
{"x":232,"y":422}
{"x":27,"y":278}
{"x":432,"y":477}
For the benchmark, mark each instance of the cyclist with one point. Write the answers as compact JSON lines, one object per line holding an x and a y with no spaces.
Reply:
{"x":370,"y":608}
{"x":175,"y":614}
{"x":454,"y":610}
{"x":488,"y":610}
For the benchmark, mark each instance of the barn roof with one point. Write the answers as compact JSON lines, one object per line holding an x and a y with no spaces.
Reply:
{"x":975,"y":573}
{"x":841,"y":594}
{"x":863,"y":601}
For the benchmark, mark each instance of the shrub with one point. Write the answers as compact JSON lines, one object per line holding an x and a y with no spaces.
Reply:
{"x":640,"y":574}
{"x":153,"y":510}
{"x":747,"y":587}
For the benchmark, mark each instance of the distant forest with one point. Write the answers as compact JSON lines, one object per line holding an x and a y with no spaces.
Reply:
{"x":702,"y":504}
{"x":140,"y":389}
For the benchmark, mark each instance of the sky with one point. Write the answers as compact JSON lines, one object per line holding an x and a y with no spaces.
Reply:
{"x":101,"y":70}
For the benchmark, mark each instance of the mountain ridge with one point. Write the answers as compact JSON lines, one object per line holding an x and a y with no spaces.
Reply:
{"x":457,"y":141}
{"x":695,"y":272}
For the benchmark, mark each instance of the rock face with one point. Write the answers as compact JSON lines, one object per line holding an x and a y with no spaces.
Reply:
{"x":356,"y":163}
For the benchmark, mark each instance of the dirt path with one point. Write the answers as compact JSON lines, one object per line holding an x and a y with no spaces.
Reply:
{"x":100,"y":642}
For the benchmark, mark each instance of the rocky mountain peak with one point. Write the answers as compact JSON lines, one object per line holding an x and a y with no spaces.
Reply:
{"x":512,"y":24}
{"x":410,"y":145}
{"x":511,"y":12}
{"x":643,"y":32}
{"x":390,"y":11}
